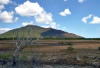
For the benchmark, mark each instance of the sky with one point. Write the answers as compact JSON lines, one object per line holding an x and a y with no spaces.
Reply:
{"x":81,"y":17}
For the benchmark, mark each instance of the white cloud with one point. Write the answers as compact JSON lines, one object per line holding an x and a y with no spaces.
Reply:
{"x":62,"y":28}
{"x":3,"y":30}
{"x":4,"y":1}
{"x":96,"y":20}
{"x":81,"y":1}
{"x":34,"y":9}
{"x":84,"y":19}
{"x":65,"y":12}
{"x":53,"y":25}
{"x":2,"y":7}
{"x":28,"y":9}
{"x":6,"y":16}
{"x":16,"y":19}
{"x":27,"y":23}
{"x":44,"y":18}
{"x":46,"y":26}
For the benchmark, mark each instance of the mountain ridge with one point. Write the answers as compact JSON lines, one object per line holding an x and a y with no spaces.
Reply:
{"x":38,"y":32}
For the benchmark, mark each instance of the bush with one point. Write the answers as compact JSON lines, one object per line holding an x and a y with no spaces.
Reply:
{"x":70,"y":48}
{"x":69,"y":43}
{"x":98,"y":48}
{"x":61,"y":43}
{"x":24,"y":58}
{"x":5,"y":57}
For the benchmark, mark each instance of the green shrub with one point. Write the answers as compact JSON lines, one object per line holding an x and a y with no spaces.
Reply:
{"x":69,"y":43}
{"x":5,"y":56}
{"x":70,"y":48}
{"x":61,"y":43}
{"x":24,"y":58}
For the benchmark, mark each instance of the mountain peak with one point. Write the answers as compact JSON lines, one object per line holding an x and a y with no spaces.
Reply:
{"x":38,"y":32}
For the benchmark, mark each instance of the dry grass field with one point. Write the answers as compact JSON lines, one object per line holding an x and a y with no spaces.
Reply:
{"x":83,"y":52}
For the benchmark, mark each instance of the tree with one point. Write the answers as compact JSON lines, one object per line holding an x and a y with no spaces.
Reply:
{"x":21,"y":43}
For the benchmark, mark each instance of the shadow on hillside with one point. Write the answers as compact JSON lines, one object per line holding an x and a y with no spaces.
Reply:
{"x":53,"y":33}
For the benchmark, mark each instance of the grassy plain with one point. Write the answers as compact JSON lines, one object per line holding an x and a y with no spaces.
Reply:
{"x":85,"y":52}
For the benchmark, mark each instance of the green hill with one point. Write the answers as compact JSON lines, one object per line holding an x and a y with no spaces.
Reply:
{"x":38,"y":32}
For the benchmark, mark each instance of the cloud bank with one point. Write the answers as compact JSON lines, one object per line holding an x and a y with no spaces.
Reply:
{"x":3,"y":30}
{"x":40,"y":15}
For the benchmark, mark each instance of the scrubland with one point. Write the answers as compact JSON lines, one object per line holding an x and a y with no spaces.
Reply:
{"x":52,"y":53}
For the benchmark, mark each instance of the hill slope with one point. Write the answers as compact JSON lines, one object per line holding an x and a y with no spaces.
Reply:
{"x":38,"y":32}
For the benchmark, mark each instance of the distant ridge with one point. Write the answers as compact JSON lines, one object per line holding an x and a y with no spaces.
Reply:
{"x":38,"y":32}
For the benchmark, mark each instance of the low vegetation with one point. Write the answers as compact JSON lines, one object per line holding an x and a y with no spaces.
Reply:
{"x":70,"y":48}
{"x":5,"y":56}
{"x":98,"y":48}
{"x":79,"y":53}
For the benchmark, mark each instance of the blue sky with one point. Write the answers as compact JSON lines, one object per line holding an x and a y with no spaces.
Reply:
{"x":81,"y":17}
